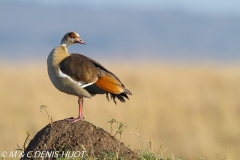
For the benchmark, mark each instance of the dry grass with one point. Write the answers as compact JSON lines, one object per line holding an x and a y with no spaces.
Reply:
{"x":193,"y":110}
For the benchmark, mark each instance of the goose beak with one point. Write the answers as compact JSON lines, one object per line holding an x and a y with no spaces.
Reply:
{"x":80,"y":41}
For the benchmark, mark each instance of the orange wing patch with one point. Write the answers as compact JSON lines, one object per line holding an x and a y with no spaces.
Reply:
{"x":110,"y":84}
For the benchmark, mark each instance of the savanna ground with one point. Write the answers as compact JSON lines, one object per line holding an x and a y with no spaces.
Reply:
{"x":189,"y":111}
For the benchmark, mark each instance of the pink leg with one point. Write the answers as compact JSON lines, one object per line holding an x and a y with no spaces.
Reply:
{"x":80,"y":114}
{"x":80,"y":103}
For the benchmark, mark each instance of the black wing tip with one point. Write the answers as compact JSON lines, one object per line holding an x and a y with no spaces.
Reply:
{"x":126,"y":91}
{"x":107,"y":97}
{"x":121,"y":97}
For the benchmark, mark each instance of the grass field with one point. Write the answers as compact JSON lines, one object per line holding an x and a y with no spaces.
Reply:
{"x":191,"y":111}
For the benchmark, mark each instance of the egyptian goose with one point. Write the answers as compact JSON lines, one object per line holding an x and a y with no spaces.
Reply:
{"x":81,"y":76}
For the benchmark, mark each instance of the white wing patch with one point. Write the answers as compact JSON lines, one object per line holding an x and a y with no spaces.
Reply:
{"x":62,"y":74}
{"x":80,"y":83}
{"x":83,"y":85}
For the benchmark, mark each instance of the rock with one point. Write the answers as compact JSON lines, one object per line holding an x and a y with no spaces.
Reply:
{"x":74,"y":140}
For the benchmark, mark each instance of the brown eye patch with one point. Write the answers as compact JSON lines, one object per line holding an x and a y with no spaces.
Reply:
{"x":72,"y":35}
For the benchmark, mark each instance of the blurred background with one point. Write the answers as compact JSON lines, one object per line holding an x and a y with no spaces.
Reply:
{"x":153,"y":30}
{"x":180,"y":59}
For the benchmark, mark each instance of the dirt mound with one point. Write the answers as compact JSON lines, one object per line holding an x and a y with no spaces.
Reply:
{"x":62,"y":139}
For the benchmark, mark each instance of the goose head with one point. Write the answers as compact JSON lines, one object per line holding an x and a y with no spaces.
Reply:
{"x":71,"y":38}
